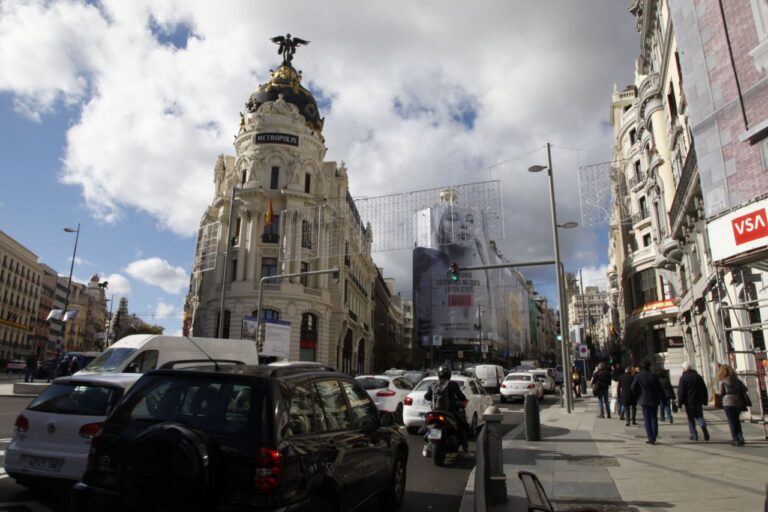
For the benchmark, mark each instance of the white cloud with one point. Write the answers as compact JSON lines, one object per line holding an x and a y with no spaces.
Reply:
{"x":159,"y":272}
{"x":153,"y":118}
{"x":595,"y":276}
{"x":119,"y":286}
{"x":164,"y":310}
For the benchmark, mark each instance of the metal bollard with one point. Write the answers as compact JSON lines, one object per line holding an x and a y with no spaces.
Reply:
{"x":561,"y":395}
{"x":498,"y":479}
{"x":532,"y":421}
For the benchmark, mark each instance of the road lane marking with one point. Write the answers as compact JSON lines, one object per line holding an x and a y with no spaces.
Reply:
{"x":6,"y":440}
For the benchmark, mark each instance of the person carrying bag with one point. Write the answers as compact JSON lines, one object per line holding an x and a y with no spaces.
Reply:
{"x":734,"y":399}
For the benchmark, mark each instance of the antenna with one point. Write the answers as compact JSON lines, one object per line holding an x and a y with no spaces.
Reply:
{"x":215,"y":364}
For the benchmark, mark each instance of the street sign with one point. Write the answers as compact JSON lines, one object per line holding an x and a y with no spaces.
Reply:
{"x":437,"y":340}
{"x":460,"y":354}
{"x":584,"y":351}
{"x":484,"y":348}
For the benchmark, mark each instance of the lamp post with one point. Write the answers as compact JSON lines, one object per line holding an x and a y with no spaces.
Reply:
{"x":69,"y":285}
{"x":563,"y":322}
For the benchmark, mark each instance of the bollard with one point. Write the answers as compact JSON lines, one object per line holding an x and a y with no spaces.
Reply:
{"x":532,"y":421}
{"x":561,"y":395}
{"x":497,"y":489}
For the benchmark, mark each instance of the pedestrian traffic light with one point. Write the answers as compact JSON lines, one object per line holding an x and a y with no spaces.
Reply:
{"x":454,"y":272}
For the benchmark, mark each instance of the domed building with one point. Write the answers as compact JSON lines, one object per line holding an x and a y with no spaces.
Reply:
{"x":292,"y":214}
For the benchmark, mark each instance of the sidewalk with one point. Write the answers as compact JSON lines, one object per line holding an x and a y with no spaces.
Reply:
{"x":6,"y":389}
{"x":583,"y":460}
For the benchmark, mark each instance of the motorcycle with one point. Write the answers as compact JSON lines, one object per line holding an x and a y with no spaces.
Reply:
{"x":443,"y":435}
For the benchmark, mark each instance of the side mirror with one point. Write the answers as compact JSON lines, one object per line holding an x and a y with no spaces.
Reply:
{"x":387,"y":419}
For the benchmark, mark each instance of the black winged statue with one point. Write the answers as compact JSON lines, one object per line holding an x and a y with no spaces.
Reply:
{"x":288,"y":46}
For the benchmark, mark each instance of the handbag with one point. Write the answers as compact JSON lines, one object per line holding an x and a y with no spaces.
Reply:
{"x":718,"y":401}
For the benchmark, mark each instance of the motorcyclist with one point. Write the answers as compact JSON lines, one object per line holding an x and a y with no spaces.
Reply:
{"x":446,"y":395}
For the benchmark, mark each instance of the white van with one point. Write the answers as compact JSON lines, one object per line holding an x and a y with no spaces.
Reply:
{"x":490,"y":376}
{"x":140,"y":353}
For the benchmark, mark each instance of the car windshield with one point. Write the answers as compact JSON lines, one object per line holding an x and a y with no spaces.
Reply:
{"x":76,"y":398}
{"x":518,"y":377}
{"x":110,"y":360}
{"x":424,"y":384}
{"x":372,"y":383}
{"x":414,"y":377}
{"x":215,"y":405}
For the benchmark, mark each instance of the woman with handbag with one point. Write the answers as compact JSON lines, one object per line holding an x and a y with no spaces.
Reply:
{"x":734,"y":400}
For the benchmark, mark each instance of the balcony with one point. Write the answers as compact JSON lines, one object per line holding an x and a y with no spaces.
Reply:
{"x":640,"y":217}
{"x":686,"y":179}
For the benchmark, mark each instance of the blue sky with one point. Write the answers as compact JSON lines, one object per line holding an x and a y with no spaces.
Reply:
{"x":113,"y":115}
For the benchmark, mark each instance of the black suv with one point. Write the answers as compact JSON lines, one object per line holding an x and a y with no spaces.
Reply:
{"x":296,"y":437}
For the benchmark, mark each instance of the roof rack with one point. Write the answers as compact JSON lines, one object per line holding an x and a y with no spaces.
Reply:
{"x":170,"y":365}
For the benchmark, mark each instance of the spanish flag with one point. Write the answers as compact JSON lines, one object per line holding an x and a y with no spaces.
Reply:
{"x":270,"y":216}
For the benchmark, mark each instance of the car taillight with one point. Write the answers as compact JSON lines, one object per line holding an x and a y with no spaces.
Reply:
{"x":266,"y":471}
{"x":385,"y":392}
{"x":435,"y":417}
{"x":22,"y":424}
{"x":531,"y":386}
{"x":90,"y":430}
{"x":504,"y":386}
{"x":408,"y":401}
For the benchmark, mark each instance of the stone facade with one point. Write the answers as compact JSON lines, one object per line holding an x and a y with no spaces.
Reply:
{"x":278,"y":161}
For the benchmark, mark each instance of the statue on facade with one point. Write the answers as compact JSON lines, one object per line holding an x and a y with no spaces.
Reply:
{"x":288,"y":46}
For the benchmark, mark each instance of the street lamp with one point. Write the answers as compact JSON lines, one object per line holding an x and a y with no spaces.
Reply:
{"x":561,"y":295}
{"x":69,"y":284}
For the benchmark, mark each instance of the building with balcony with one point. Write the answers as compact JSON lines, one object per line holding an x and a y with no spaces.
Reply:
{"x":293,"y":214}
{"x":587,"y":309}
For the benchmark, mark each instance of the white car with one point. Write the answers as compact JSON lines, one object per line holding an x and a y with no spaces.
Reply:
{"x":546,"y":378}
{"x":52,"y":436}
{"x":416,"y":407}
{"x":388,"y":392}
{"x":519,"y":385}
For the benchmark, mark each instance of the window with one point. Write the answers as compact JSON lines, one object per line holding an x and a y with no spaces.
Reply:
{"x":632,"y":136}
{"x":638,"y":171}
{"x":274,"y":179}
{"x":303,"y":415}
{"x":643,"y":208}
{"x":308,"y":337}
{"x":269,"y":314}
{"x":307,"y":183}
{"x":268,"y":267}
{"x":306,"y":234}
{"x":304,"y":280}
{"x":242,"y":180}
{"x":645,"y":287}
{"x":363,"y":410}
{"x":672,"y":102}
{"x":145,"y":361}
{"x":234,"y":270}
{"x":646,"y":240}
{"x":334,"y":406}
{"x":402,"y":384}
{"x":683,"y":280}
{"x":236,"y":238}
{"x":272,"y":231}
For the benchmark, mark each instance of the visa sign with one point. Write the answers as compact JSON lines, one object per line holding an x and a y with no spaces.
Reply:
{"x":750,"y":227}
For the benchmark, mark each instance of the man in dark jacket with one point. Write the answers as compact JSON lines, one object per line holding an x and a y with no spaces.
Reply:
{"x":647,"y":388}
{"x":445,"y":395}
{"x":692,"y":393}
{"x":601,"y":382}
{"x":627,"y":398}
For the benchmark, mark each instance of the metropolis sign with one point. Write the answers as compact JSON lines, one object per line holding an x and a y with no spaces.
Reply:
{"x":276,"y":138}
{"x":742,"y":230}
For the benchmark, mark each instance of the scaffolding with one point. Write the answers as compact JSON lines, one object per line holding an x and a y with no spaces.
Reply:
{"x":205,"y":247}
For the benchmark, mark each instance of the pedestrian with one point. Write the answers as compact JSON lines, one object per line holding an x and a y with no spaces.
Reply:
{"x":734,"y":399}
{"x":601,"y":381}
{"x":666,"y":398}
{"x":627,"y":397}
{"x":576,"y":381}
{"x":30,"y":366}
{"x":616,"y":372}
{"x":692,"y":393}
{"x":74,"y":365}
{"x":647,"y":388}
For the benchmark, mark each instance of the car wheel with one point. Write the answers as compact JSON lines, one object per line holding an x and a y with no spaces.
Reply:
{"x":502,"y":399}
{"x":473,"y":426}
{"x":395,"y":493}
{"x":413,"y":430}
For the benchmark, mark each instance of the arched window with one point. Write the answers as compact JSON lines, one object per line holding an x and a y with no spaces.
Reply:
{"x":308,"y":339}
{"x":346,"y":353}
{"x":361,"y":356}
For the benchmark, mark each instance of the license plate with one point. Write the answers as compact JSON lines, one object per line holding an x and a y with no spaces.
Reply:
{"x":44,"y":463}
{"x":434,"y":433}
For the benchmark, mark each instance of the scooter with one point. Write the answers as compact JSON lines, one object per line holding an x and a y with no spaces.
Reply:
{"x":442,"y":436}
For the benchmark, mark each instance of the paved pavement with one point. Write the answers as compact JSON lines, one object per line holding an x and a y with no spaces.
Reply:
{"x":583,"y":460}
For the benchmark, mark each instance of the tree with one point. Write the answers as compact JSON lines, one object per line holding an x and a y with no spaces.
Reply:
{"x":120,"y":322}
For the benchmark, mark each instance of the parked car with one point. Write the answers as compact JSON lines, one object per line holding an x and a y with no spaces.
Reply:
{"x":490,"y":376}
{"x":416,"y":408}
{"x":545,"y":377}
{"x":387,"y":392}
{"x":52,"y":436}
{"x":395,"y":372}
{"x":291,"y":437}
{"x":519,"y":385}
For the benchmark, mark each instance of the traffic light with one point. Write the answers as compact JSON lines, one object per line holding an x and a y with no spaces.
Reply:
{"x":454,"y":272}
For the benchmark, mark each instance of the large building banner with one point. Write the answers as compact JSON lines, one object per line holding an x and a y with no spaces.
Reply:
{"x":475,"y":306}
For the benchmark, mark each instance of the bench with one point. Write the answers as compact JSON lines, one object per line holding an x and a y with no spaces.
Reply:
{"x":537,"y":496}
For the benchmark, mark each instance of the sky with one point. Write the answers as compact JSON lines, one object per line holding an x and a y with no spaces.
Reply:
{"x":113,"y":114}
